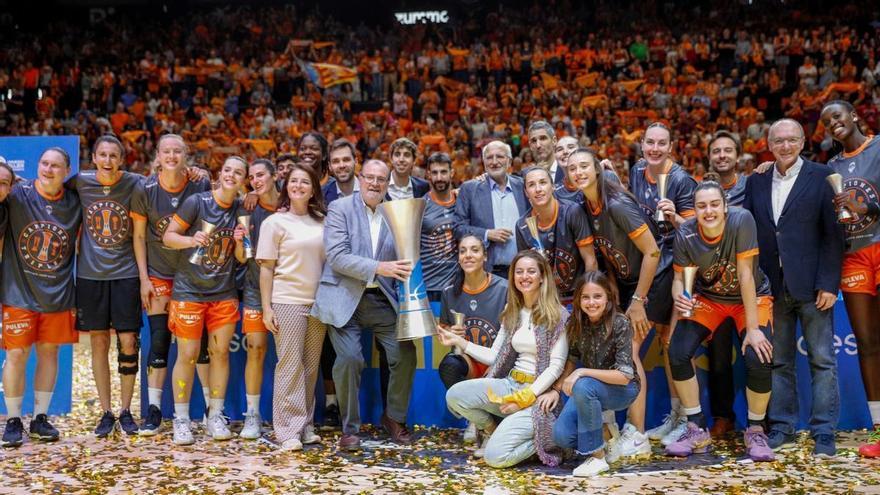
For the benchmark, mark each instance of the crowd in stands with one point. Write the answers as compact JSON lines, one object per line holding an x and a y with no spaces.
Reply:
{"x":231,"y":80}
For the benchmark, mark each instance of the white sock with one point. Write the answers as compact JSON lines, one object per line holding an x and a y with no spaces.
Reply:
{"x":874,"y":407}
{"x":756,"y":416}
{"x":13,"y":407}
{"x":216,"y":407}
{"x":330,"y":400}
{"x":41,"y":402}
{"x":206,"y":393}
{"x":691,"y":410}
{"x":155,"y":396}
{"x":181,"y":410}
{"x":676,"y":405}
{"x":253,"y":403}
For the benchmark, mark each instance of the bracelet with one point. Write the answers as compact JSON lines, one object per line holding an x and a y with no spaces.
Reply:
{"x":636,"y":297}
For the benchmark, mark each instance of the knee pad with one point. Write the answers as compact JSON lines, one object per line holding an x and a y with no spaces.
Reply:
{"x":680,"y":364}
{"x":204,"y":357}
{"x":759,"y":376}
{"x":125,"y":361}
{"x":452,"y":369}
{"x":160,"y":341}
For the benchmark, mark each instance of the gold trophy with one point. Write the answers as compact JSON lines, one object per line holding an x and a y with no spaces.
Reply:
{"x":196,"y":257}
{"x":404,"y":219}
{"x":245,"y":221}
{"x":662,"y":182}
{"x":457,"y":321}
{"x":836,"y":182}
{"x":532,"y":224}
{"x":689,"y":274}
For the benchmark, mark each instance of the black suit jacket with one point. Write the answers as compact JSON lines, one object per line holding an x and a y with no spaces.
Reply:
{"x":420,"y":188}
{"x":808,"y":240}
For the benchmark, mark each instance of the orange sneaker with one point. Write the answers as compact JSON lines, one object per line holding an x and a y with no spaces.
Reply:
{"x":872,"y":448}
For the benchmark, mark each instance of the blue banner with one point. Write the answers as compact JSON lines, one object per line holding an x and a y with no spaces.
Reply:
{"x":23,"y":155}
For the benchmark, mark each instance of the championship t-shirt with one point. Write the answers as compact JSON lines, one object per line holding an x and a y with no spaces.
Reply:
{"x":736,"y":192}
{"x":438,"y":254}
{"x":105,"y":250}
{"x":716,"y":259}
{"x":212,"y":279}
{"x":157,"y":204}
{"x":482,"y":309}
{"x":615,"y":226}
{"x":38,"y":249}
{"x":571,"y":195}
{"x":251,"y":294}
{"x":861,"y":178}
{"x":680,"y":188}
{"x":560,"y":241}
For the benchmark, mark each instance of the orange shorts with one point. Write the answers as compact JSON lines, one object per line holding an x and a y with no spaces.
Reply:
{"x":252,"y":322}
{"x":161,"y":286}
{"x":186,"y":318}
{"x":711,"y":314}
{"x":861,"y":270}
{"x":23,"y":327}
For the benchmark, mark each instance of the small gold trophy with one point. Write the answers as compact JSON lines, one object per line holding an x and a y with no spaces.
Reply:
{"x":245,"y":221}
{"x":662,"y":182}
{"x":836,"y":182}
{"x":458,"y":321}
{"x":197,"y":255}
{"x":689,"y":273}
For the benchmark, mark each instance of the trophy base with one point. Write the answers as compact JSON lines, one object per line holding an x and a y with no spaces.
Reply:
{"x":416,"y":324}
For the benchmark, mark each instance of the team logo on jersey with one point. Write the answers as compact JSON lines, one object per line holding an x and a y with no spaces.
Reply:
{"x":479,"y":331}
{"x":564,"y":264}
{"x":43,"y":246}
{"x":220,"y":249}
{"x":49,"y":209}
{"x":162,"y":224}
{"x":473,"y":305}
{"x":863,"y":192}
{"x":106,"y":190}
{"x":108,"y":222}
{"x":851,"y":167}
{"x":440,"y":241}
{"x":174,"y":202}
{"x":614,"y":257}
{"x":721,"y":278}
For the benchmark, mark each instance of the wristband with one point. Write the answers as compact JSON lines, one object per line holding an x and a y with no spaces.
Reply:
{"x":636,"y":297}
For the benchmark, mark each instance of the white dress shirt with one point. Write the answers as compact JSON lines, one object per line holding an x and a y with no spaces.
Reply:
{"x":405,"y":192}
{"x":782,"y":185}
{"x":375,"y":220}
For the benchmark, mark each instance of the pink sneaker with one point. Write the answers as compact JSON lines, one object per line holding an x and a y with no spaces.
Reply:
{"x":756,"y":445}
{"x":695,"y":440}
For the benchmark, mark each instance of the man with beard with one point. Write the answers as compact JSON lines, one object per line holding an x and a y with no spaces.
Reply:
{"x":342,"y":166}
{"x":724,"y":151}
{"x":542,"y":143}
{"x":438,"y":253}
{"x":403,"y":185}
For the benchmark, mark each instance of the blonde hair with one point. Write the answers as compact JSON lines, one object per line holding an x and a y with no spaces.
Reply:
{"x":547,"y":310}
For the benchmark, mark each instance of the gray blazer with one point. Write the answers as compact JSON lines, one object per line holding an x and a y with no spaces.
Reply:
{"x":473,"y":208}
{"x":350,"y":264}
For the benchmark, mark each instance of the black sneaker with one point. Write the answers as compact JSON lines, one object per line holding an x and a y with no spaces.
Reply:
{"x":331,"y":416}
{"x":105,"y":426}
{"x":126,"y":422}
{"x":152,"y":422}
{"x":14,"y":433}
{"x":41,"y":429}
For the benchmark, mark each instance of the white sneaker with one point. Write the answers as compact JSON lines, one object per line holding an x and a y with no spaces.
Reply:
{"x":675,"y":433}
{"x":253,"y":426}
{"x":610,"y":420}
{"x":669,"y":423}
{"x":612,"y":446}
{"x":182,"y":432}
{"x":480,"y":452}
{"x":217,"y":428}
{"x":291,"y":444}
{"x":632,"y":443}
{"x":591,"y":467}
{"x":309,"y":436}
{"x":470,"y":433}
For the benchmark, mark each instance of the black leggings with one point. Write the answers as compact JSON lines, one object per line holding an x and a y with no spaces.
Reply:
{"x":453,"y":369}
{"x":687,"y":339}
{"x":721,"y":389}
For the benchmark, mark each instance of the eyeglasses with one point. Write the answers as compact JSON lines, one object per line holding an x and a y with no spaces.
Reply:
{"x":374,"y":179}
{"x":794,"y":141}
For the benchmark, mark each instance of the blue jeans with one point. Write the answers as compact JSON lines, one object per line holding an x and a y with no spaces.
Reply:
{"x":819,"y":338}
{"x":579,"y":425}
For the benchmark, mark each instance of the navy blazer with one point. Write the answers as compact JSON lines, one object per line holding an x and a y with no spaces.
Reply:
{"x":473,"y":208}
{"x":808,"y":240}
{"x":420,"y":188}
{"x":330,"y":192}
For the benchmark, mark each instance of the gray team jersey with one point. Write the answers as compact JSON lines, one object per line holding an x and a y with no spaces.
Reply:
{"x":736,"y":193}
{"x":214,"y":278}
{"x":861,"y":177}
{"x":716,"y":261}
{"x":560,"y":241}
{"x":438,"y":254}
{"x":482,"y":310}
{"x":105,"y":250}
{"x":251,"y":292}
{"x":614,"y":228}
{"x":571,"y":195}
{"x":38,"y":249}
{"x":156,"y":204}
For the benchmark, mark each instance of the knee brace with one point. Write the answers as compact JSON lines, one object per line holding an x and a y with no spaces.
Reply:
{"x":452,"y":369}
{"x":160,"y":341}
{"x":204,"y":357}
{"x":759,"y":376}
{"x":680,"y":363}
{"x":128,"y":363}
